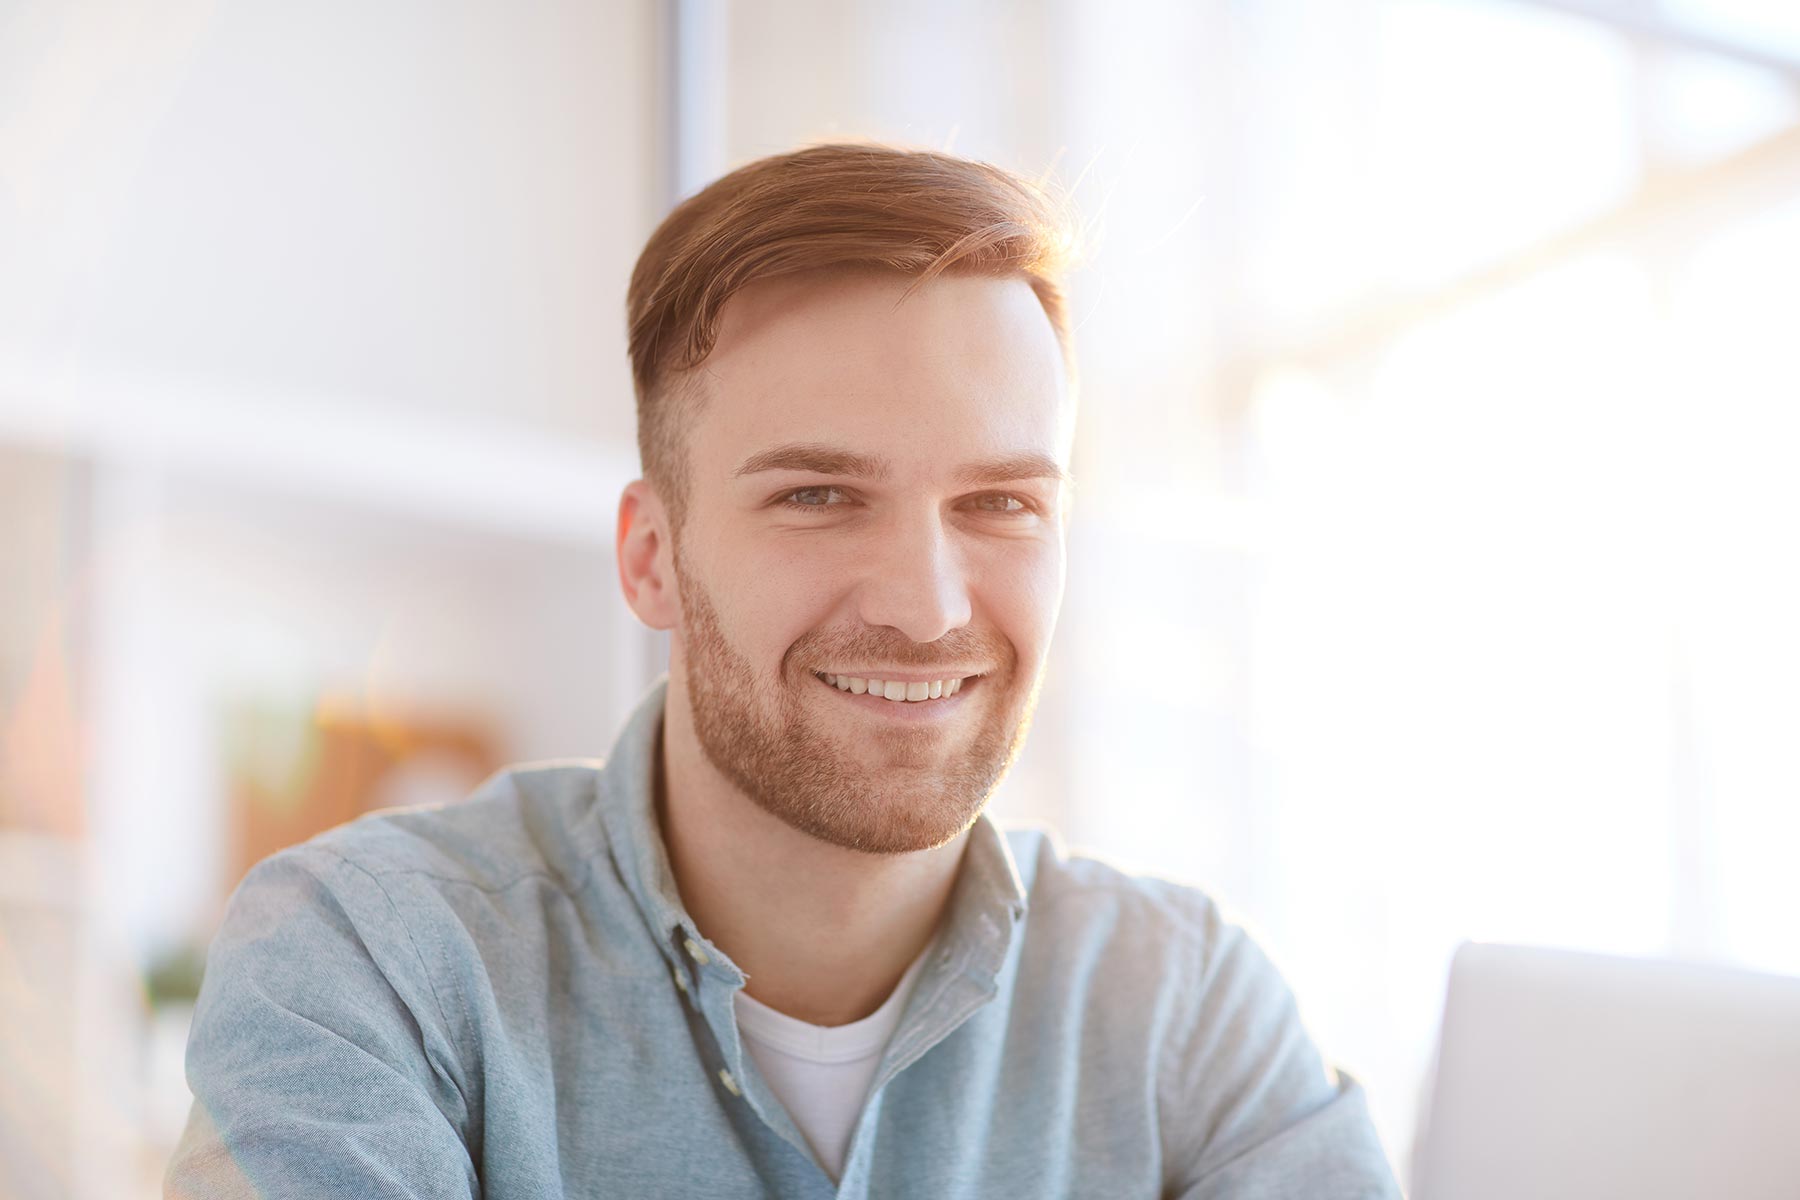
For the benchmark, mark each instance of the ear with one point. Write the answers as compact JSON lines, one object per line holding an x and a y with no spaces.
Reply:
{"x":646,"y":557}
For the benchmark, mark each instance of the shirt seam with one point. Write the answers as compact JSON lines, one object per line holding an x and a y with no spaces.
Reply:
{"x":571,"y":882}
{"x":1205,"y":940}
{"x":458,"y":1032}
{"x":1196,"y":1149}
{"x":557,"y":877}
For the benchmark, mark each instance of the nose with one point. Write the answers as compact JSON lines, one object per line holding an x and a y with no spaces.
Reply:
{"x":915,"y":581}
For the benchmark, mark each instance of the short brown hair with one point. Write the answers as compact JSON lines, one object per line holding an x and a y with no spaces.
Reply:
{"x":838,"y":205}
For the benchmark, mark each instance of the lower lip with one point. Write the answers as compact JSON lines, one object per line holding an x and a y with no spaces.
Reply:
{"x":904,"y":710}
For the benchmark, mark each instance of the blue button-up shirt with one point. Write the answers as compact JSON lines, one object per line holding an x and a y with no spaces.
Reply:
{"x":504,"y":997}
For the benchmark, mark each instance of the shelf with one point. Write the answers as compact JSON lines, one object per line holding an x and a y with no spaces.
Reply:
{"x":473,"y":472}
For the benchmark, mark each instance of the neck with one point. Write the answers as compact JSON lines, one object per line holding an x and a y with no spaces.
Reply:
{"x":824,"y":933}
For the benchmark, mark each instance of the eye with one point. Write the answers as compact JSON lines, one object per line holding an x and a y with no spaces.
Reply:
{"x":816,"y":497}
{"x":1000,"y":502}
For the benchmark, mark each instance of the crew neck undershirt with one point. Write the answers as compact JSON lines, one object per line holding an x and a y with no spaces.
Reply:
{"x":822,"y":1073}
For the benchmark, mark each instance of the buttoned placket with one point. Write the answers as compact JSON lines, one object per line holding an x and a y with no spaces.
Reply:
{"x":962,"y":977}
{"x":708,"y":982}
{"x":966,"y":973}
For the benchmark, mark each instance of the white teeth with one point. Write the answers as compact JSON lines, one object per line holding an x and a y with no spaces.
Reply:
{"x":894,"y":689}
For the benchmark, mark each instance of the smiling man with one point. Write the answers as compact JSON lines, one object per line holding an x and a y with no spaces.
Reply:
{"x":772,"y":947}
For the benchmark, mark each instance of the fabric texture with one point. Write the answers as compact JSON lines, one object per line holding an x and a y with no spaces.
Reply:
{"x":504,"y":997}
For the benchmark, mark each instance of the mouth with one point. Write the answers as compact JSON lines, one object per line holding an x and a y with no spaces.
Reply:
{"x":898,"y":692}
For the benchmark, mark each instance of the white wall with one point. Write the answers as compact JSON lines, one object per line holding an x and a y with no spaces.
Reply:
{"x":418,"y":205}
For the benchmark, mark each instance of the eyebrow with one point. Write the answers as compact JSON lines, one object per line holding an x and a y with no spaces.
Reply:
{"x":1011,"y":468}
{"x":818,"y":459}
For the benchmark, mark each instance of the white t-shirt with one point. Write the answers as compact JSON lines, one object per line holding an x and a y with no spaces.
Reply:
{"x":821,"y":1073}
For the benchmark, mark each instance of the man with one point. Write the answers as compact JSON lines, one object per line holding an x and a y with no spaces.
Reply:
{"x":772,"y":947}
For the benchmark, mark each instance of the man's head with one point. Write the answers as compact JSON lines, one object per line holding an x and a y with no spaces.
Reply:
{"x":855,"y":410}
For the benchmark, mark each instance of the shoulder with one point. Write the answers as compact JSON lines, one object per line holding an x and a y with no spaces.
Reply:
{"x":371,"y":885}
{"x":386,"y":908}
{"x":1200,"y":1007}
{"x":529,"y":820}
{"x":1072,"y":895}
{"x":1154,"y":956}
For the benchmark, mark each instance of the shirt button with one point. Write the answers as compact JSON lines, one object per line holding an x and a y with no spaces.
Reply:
{"x":695,"y":952}
{"x":680,"y":983}
{"x":730,"y":1083}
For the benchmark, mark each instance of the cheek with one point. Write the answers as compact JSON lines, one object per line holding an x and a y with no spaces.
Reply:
{"x":1020,"y":590}
{"x":799,"y":569}
{"x":771,"y":594}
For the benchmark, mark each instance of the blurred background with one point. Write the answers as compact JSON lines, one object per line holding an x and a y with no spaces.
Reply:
{"x":1433,"y":565}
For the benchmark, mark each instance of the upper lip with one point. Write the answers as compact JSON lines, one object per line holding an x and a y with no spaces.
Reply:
{"x":899,"y":676}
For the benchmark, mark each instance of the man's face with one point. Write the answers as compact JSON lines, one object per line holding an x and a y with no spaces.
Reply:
{"x":876,"y":495}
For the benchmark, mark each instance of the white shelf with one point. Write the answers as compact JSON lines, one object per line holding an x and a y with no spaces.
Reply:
{"x":477,"y":473}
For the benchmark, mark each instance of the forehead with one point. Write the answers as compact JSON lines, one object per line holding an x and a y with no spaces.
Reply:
{"x":965,"y":366}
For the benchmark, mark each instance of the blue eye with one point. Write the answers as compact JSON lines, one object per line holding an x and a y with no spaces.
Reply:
{"x":815,"y":497}
{"x":1000,"y":502}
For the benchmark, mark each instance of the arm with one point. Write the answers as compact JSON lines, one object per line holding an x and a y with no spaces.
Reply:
{"x":1261,"y":1117}
{"x":320,"y":1059}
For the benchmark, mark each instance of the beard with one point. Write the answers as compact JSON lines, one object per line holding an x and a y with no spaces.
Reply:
{"x":925,"y":790}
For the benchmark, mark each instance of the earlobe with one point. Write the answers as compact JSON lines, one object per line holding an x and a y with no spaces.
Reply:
{"x":646,"y":574}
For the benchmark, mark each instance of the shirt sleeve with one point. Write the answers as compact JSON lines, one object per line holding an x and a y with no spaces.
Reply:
{"x":320,"y":1059}
{"x":1260,"y":1116}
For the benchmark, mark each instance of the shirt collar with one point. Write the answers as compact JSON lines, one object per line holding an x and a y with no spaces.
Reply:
{"x":628,"y":814}
{"x":987,"y":902}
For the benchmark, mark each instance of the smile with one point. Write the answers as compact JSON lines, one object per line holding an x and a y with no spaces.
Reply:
{"x":901,"y":692}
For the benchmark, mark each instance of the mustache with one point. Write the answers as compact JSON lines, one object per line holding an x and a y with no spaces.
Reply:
{"x":959,"y":647}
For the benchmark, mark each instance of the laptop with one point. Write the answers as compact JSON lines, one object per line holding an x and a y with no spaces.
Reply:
{"x":1577,"y":1075}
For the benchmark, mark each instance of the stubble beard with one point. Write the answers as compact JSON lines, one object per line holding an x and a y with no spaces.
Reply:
{"x":763,"y":742}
